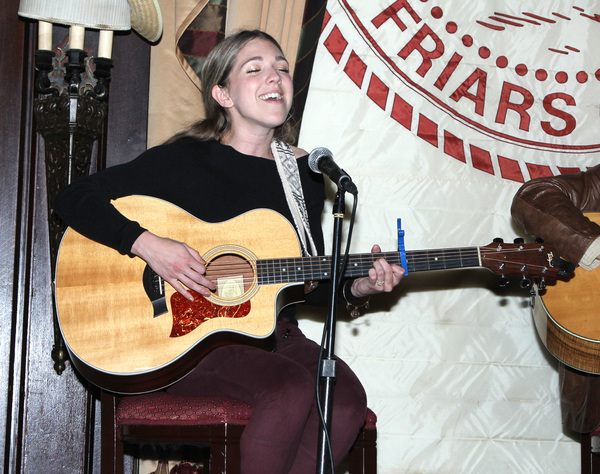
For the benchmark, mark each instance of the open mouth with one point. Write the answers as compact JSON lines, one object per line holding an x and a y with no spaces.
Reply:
{"x":271,"y":96}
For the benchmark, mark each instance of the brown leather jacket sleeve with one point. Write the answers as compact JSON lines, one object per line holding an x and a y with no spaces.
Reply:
{"x":552,"y":208}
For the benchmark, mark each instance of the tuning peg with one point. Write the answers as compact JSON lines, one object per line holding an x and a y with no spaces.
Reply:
{"x":564,"y":268}
{"x":525,"y":283}
{"x":503,"y":282}
{"x":539,"y":240}
{"x":519,"y":240}
{"x":542,"y":284}
{"x":499,"y":240}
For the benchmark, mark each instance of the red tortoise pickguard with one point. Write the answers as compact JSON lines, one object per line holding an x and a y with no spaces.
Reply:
{"x":188,"y":315}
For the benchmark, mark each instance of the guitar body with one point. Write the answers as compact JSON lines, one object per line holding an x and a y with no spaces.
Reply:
{"x":107,"y":319}
{"x":567,"y":318}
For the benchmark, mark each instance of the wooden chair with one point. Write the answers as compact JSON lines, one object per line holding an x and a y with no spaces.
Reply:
{"x":590,"y":452}
{"x":218,"y":422}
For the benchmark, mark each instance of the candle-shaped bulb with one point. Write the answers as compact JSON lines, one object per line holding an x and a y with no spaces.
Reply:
{"x":76,"y":35}
{"x":45,"y":35}
{"x":105,"y":44}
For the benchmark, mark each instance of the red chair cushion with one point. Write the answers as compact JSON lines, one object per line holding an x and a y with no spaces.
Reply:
{"x":160,"y":408}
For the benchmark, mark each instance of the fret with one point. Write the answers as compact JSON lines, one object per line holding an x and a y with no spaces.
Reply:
{"x":283,"y":267}
{"x":442,"y":259}
{"x":262,"y":272}
{"x":289,"y":270}
{"x":321,"y":268}
{"x":470,"y":257}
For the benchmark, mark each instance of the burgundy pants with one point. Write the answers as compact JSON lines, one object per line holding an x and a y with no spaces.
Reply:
{"x":282,"y":434}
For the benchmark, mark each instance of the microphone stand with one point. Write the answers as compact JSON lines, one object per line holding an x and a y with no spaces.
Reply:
{"x":327,"y":370}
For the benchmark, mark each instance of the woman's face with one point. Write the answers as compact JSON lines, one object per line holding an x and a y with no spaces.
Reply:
{"x":259,"y":92}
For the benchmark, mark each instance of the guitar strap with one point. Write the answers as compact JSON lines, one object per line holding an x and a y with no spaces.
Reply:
{"x":290,"y":179}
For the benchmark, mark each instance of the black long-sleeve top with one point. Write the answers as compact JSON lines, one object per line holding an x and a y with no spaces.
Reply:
{"x":211,"y":181}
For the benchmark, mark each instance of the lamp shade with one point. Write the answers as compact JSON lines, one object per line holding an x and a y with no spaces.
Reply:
{"x":98,"y":14}
{"x":144,"y":16}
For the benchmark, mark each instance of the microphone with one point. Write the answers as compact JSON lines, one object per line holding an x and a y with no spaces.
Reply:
{"x":320,"y":161}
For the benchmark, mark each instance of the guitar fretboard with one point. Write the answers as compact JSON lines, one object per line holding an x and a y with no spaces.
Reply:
{"x":287,"y":270}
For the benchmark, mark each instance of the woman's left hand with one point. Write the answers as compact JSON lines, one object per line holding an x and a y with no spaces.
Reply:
{"x":383,"y":277}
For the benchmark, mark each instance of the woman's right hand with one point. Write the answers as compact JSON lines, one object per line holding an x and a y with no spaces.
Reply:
{"x":176,"y":262}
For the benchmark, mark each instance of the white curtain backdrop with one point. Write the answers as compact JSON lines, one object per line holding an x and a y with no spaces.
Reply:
{"x":439,"y":110}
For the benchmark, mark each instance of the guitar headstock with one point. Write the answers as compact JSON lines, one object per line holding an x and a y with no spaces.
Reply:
{"x":525,"y":261}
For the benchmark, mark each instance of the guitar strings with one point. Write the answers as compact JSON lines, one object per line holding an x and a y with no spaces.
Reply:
{"x":439,"y":258}
{"x":368,"y":259}
{"x":306,"y":268}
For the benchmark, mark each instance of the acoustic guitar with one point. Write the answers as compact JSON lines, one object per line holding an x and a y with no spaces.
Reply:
{"x":567,"y":318}
{"x":128,"y":331}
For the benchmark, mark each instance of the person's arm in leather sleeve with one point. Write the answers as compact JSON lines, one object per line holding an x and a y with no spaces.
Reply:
{"x":552,"y":208}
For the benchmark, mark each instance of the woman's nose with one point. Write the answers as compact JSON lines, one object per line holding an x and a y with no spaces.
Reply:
{"x":274,"y":75}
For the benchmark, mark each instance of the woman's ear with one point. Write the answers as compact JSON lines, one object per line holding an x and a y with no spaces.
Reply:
{"x":219,"y":93}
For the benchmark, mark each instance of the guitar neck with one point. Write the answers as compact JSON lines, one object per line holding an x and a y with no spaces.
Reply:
{"x":288,"y":270}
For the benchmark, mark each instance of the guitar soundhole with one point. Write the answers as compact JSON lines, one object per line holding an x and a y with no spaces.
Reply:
{"x":232,"y":274}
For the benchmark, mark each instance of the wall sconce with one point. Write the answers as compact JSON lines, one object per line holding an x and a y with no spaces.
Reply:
{"x":72,"y":87}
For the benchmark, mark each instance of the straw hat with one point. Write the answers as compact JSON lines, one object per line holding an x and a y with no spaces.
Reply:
{"x":146,"y":18}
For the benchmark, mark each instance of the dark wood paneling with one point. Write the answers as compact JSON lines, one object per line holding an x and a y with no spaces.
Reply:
{"x":51,"y":421}
{"x":15,"y":142}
